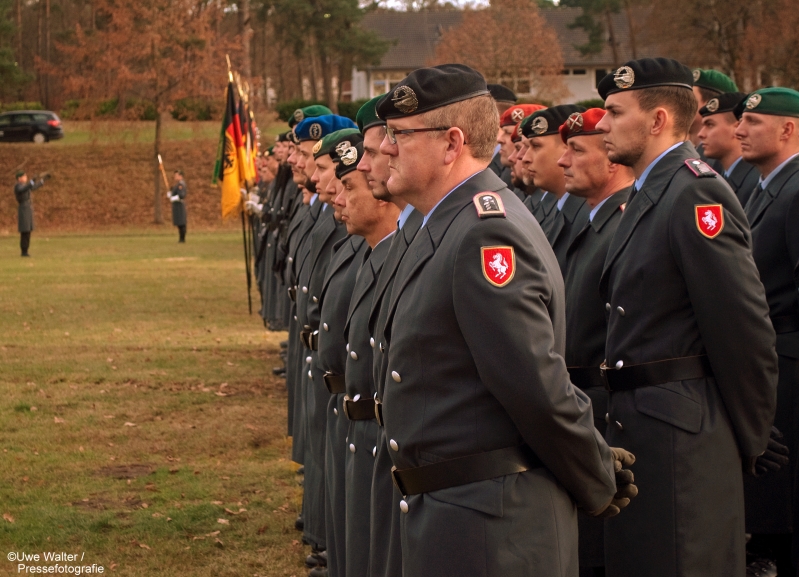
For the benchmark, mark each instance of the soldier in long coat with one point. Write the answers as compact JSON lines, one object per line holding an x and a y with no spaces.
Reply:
{"x":177,"y":196}
{"x":690,"y":358}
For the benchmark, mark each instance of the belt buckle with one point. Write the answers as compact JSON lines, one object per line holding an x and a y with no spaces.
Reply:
{"x":398,"y":482}
{"x":378,"y":411}
{"x":346,"y":402}
{"x":603,"y":369}
{"x":325,"y":378}
{"x":313,"y":341}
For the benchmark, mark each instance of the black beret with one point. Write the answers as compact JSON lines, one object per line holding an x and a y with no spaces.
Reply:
{"x":501,"y":93}
{"x":726,"y":102}
{"x":430,"y":88}
{"x":284,"y":136}
{"x":349,"y":157}
{"x":646,"y":73}
{"x":548,"y":120}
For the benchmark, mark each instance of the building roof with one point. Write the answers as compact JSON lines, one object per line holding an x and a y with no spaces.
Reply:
{"x":415,"y":35}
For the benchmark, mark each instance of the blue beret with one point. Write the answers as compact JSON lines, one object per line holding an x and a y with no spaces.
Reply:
{"x":319,"y":127}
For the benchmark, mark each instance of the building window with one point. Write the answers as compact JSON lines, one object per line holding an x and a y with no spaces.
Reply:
{"x":565,"y":72}
{"x":599,"y":74}
{"x":579,"y":72}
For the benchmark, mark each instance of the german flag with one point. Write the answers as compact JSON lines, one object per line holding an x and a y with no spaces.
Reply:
{"x":230,"y":169}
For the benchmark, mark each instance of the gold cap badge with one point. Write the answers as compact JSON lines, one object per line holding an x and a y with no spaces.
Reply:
{"x":317,"y":147}
{"x":624,"y":77}
{"x":405,"y":99}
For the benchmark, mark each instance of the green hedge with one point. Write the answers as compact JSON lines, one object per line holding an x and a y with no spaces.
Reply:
{"x":9,"y":106}
{"x":195,"y":109}
{"x":592,"y":103}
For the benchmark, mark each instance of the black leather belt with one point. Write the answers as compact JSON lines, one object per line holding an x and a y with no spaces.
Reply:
{"x":310,"y":339}
{"x":656,"y":373}
{"x":785,"y":324}
{"x":334,"y":383}
{"x":465,"y":470}
{"x":361,"y":410}
{"x":292,"y":290}
{"x":586,"y":377}
{"x":378,"y":411}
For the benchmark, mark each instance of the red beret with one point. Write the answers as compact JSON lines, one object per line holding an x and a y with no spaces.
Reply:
{"x":516,"y":136}
{"x":517,"y":112}
{"x":580,"y":123}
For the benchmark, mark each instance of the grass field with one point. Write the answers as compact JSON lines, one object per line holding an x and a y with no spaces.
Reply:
{"x":140,"y":425}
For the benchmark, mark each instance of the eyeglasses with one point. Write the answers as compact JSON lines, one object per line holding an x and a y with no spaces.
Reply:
{"x":392,"y":134}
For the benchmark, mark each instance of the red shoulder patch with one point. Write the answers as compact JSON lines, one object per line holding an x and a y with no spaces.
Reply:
{"x":499,"y":264}
{"x":709,"y":219}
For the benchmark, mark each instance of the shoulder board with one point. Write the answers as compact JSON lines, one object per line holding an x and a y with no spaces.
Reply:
{"x":488,"y":205}
{"x":699,"y":168}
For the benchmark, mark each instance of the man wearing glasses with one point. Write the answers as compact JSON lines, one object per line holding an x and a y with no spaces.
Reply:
{"x":489,"y":455}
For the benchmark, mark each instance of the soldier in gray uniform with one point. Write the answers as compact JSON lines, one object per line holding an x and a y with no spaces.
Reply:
{"x":520,"y":180}
{"x":604,"y":186}
{"x":545,"y":148}
{"x":504,"y":98}
{"x":690,"y":360}
{"x":375,"y":220}
{"x":385,"y":551}
{"x":720,"y":143}
{"x":22,"y":192}
{"x":177,"y":196}
{"x":769,"y":133}
{"x":489,"y":455}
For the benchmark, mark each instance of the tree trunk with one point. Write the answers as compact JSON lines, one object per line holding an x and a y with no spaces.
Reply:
{"x":19,"y":30}
{"x":47,"y":102}
{"x":631,"y":25}
{"x":39,"y":50}
{"x":312,"y":61}
{"x":246,"y":38}
{"x":327,"y":79}
{"x":612,"y":39}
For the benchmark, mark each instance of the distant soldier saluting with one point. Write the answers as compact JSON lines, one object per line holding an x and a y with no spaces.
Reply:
{"x":22,"y":190}
{"x":178,"y":197}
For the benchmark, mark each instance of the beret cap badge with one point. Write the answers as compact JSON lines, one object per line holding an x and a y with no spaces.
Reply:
{"x":342,"y":147}
{"x":315,"y":131}
{"x":349,"y":156}
{"x":753,"y":101}
{"x":540,"y":125}
{"x":624,"y":77}
{"x":517,"y":115}
{"x":575,"y":122}
{"x":317,"y":147}
{"x":712,"y":105}
{"x":299,"y":115}
{"x":697,"y":74}
{"x":405,"y":99}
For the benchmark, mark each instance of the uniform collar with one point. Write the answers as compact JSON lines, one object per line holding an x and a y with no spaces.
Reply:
{"x":596,"y":209}
{"x":764,"y":182}
{"x":461,"y":183}
{"x":403,"y":216}
{"x":641,"y":180}
{"x":562,"y":200}
{"x":313,"y":199}
{"x":728,"y":172}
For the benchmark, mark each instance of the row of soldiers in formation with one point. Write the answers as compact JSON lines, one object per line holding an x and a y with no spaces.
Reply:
{"x":495,"y":309}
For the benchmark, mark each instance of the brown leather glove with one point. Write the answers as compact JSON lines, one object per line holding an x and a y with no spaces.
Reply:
{"x":625,"y":489}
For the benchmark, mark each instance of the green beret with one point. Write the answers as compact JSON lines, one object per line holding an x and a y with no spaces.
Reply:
{"x":714,"y":80}
{"x":777,"y":101}
{"x":20,"y":173}
{"x":308,"y":112}
{"x":325,"y":145}
{"x":367,"y":115}
{"x":270,"y":151}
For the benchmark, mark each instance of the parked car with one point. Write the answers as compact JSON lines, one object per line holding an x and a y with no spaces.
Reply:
{"x":30,"y":126}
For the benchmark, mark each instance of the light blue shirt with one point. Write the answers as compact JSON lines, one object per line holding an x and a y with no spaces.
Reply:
{"x":562,"y":201}
{"x":639,"y":183}
{"x":764,"y":182}
{"x":496,"y":149}
{"x":595,"y":210}
{"x":544,"y":193}
{"x":403,"y":217}
{"x":324,"y":207}
{"x":429,"y":214}
{"x":385,"y":237}
{"x":728,"y":172}
{"x":313,"y":199}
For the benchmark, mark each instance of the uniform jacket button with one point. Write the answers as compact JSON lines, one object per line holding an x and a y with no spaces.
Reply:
{"x":295,"y":317}
{"x":382,"y":349}
{"x":308,"y":360}
{"x":607,"y":306}
{"x":393,"y":444}
{"x":354,"y":355}
{"x":356,"y":398}
{"x":335,"y":411}
{"x":324,"y":326}
{"x":352,"y":448}
{"x":620,"y":311}
{"x":374,"y":451}
{"x":348,"y":347}
{"x":305,"y":290}
{"x":607,"y":418}
{"x":310,"y":374}
{"x":619,"y":364}
{"x":314,"y":299}
{"x":291,"y":259}
{"x":404,"y":506}
{"x":396,"y":376}
{"x":372,"y":342}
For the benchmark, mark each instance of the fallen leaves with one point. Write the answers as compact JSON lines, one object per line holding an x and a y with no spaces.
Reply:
{"x":58,"y":420}
{"x":129,"y":424}
{"x":8,"y":517}
{"x":239,"y":512}
{"x":223,"y":521}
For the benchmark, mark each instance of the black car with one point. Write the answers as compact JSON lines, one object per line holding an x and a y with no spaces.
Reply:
{"x":30,"y":126}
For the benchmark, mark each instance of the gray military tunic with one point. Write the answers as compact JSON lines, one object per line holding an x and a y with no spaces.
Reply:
{"x":179,"y":206}
{"x":362,"y":434}
{"x":671,"y":292}
{"x":743,"y":180}
{"x":385,"y":549}
{"x":546,"y":211}
{"x":567,"y":221}
{"x":452,"y":392}
{"x":586,"y":327}
{"x":25,"y":210}
{"x":772,"y":502}
{"x":334,"y":302}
